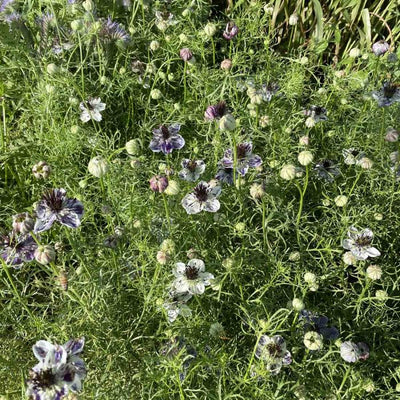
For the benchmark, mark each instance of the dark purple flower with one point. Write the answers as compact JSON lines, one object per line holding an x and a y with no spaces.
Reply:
{"x":224,"y":174}
{"x":327,"y":170}
{"x":111,"y":31}
{"x":231,"y":30}
{"x":16,"y":250}
{"x":387,"y":95}
{"x":318,"y":323}
{"x":380,"y":48}
{"x":166,"y":139}
{"x":56,"y":206}
{"x":215,"y":112}
{"x":158,"y":183}
{"x":185,"y":54}
{"x":245,"y":158}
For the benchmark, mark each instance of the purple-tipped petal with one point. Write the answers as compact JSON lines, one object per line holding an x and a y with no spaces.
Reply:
{"x":254,"y":161}
{"x":69,"y":219}
{"x":42,"y":225}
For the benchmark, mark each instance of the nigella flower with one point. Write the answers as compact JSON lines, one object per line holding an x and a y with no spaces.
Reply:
{"x":203,"y":197}
{"x":59,"y":371}
{"x":316,"y":113}
{"x":352,"y":156}
{"x":16,"y":250}
{"x":56,"y":206}
{"x":224,"y":174}
{"x":91,"y":109}
{"x":245,"y":158}
{"x":352,"y":352}
{"x":177,"y":305}
{"x":389,"y":94}
{"x":359,"y":243}
{"x":319,"y":324}
{"x":267,"y":91}
{"x":231,"y":30}
{"x":327,"y":169}
{"x":111,"y":31}
{"x":380,"y":48}
{"x":191,"y":277}
{"x":166,"y":139}
{"x":164,"y":20}
{"x":192,"y":169}
{"x":215,"y":112}
{"x":272,"y":350}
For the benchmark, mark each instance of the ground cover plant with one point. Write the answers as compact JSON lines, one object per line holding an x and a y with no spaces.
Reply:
{"x":199,"y":200}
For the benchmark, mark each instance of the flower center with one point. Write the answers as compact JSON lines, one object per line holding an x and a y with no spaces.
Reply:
{"x":389,"y":90}
{"x":241,"y":150}
{"x":53,"y":200}
{"x":274,"y":349}
{"x":165,"y":132}
{"x":43,"y":379}
{"x":363,"y":241}
{"x":191,"y":272}
{"x":201,"y":192}
{"x":192,"y":165}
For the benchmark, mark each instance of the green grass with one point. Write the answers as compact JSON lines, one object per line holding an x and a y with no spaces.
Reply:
{"x":115,"y":296}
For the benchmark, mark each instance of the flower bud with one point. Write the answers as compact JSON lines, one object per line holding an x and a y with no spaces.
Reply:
{"x":310,"y":122}
{"x":41,"y":170}
{"x":186,"y":12}
{"x":297,"y":304}
{"x":23,"y":223}
{"x":52,"y":69}
{"x":309,"y":277}
{"x":227,"y":123}
{"x":294,"y":256}
{"x":158,"y":183}
{"x":210,"y":29}
{"x":226,"y":64}
{"x":304,"y":60}
{"x":288,"y":172}
{"x":355,"y":52}
{"x":173,"y":188}
{"x":365,"y":163}
{"x":185,"y":54}
{"x":305,"y":157}
{"x":392,"y":135}
{"x":133,"y":147}
{"x":381,"y":295}
{"x":45,"y":254}
{"x":192,"y":253}
{"x":156,"y":94}
{"x":374,"y":272}
{"x":154,"y":45}
{"x":76,"y":25}
{"x":264,"y":121}
{"x":162,"y":257}
{"x":98,"y":167}
{"x":378,"y":216}
{"x":380,"y":48}
{"x":313,"y":340}
{"x":304,"y":141}
{"x":341,"y":200}
{"x":257,"y":191}
{"x":217,"y":330}
{"x":293,"y":19}
{"x":88,"y":5}
{"x":349,"y":258}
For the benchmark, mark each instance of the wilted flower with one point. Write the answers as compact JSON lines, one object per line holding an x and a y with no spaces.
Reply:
{"x":231,"y":30}
{"x":313,"y":341}
{"x":158,"y":183}
{"x":56,"y":206}
{"x":16,"y":250}
{"x":177,"y":305}
{"x":203,"y":197}
{"x":272,"y":350}
{"x":191,"y":277}
{"x":45,"y":254}
{"x":316,"y":113}
{"x":318,"y":323}
{"x":98,"y":167}
{"x":41,"y":170}
{"x":215,"y":112}
{"x":327,"y":170}
{"x":387,"y":95}
{"x":359,"y":243}
{"x":111,"y":31}
{"x":23,"y":223}
{"x":352,"y":352}
{"x":380,"y":48}
{"x":166,"y":139}
{"x":91,"y":109}
{"x":245,"y":158}
{"x":192,"y":169}
{"x":59,"y":371}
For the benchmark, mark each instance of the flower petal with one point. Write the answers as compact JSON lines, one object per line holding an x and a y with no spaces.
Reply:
{"x":71,"y":220}
{"x":180,"y":269}
{"x":191,"y":204}
{"x":41,"y":349}
{"x":373,"y":252}
{"x":212,"y":205}
{"x":198,"y":264}
{"x":42,"y":225}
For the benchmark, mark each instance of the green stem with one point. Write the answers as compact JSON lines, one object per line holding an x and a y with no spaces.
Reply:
{"x":166,"y":212}
{"x":302,"y":193}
